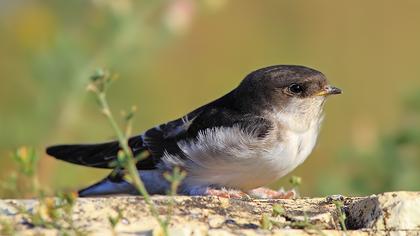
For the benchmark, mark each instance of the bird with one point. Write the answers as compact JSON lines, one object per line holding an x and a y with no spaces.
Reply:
{"x":237,"y":144}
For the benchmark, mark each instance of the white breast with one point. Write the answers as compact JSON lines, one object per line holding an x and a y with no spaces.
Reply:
{"x":295,"y":147}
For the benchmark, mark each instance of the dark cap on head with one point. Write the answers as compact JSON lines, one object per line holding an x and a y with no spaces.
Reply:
{"x":277,"y":84}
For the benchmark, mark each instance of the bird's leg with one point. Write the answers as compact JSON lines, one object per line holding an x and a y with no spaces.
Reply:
{"x":271,"y":194}
{"x":225,"y":193}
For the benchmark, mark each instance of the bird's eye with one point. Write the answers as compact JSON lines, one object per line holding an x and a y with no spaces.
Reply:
{"x":296,"y":88}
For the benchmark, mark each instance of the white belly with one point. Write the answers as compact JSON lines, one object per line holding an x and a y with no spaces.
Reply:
{"x":230,"y":158}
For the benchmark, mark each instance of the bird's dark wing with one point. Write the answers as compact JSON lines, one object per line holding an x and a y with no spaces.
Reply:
{"x":164,"y":138}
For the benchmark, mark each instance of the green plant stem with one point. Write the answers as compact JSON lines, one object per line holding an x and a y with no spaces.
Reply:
{"x":131,"y":166}
{"x":341,"y":215}
{"x":35,"y":185}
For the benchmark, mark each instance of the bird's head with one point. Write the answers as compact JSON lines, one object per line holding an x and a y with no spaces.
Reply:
{"x":287,"y":88}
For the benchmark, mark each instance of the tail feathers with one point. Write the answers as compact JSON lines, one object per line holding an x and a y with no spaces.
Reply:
{"x":111,"y":185}
{"x":93,"y":155}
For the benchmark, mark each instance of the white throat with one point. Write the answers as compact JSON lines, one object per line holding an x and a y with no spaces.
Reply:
{"x":300,"y":115}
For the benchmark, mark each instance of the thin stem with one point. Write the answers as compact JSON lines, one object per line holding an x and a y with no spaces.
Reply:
{"x":131,"y":166}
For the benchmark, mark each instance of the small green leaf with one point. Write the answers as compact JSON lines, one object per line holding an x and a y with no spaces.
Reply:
{"x":295,"y":181}
{"x":278,"y":210}
{"x":265,"y":222}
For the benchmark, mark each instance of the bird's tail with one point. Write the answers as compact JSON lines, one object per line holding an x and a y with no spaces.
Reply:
{"x":154,"y":182}
{"x":94,"y":155}
{"x":110,"y":185}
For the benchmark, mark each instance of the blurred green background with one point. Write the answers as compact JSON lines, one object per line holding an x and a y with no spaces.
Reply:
{"x":175,"y":55}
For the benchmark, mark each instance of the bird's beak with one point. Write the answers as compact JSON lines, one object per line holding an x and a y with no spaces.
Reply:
{"x":329,"y":90}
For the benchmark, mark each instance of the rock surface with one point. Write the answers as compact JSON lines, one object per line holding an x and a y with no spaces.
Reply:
{"x":396,"y":213}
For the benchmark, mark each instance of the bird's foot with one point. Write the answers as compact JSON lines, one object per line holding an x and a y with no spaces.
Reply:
{"x":226,"y":193}
{"x":266,"y":193}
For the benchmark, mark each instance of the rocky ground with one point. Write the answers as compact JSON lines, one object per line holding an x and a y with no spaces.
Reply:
{"x":395,"y":213}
